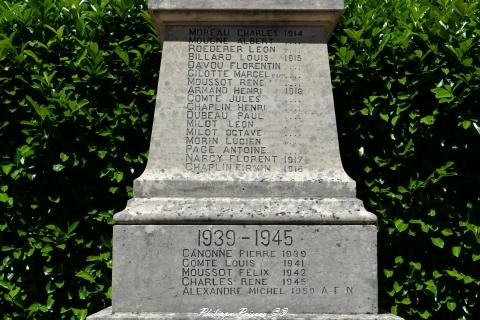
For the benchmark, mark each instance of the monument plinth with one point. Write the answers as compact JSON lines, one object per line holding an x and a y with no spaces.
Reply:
{"x":244,"y":203}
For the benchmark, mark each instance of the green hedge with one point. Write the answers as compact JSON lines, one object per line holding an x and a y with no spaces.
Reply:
{"x":77,"y":90}
{"x":77,"y":87}
{"x":407,"y":91}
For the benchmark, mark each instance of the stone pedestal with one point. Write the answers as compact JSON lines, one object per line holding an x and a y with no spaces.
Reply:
{"x":108,"y":315}
{"x":244,"y":209}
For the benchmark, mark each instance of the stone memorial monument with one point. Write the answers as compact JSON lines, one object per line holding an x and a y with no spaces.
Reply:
{"x":244,"y":209}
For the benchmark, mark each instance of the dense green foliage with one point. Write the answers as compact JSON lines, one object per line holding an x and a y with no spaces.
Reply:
{"x":77,"y":84}
{"x":407,"y":89}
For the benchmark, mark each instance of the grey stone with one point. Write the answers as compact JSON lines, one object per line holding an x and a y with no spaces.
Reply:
{"x":242,"y":210}
{"x":323,"y":13}
{"x":245,"y":5}
{"x":280,"y":140}
{"x":107,"y":314}
{"x":305,"y":268}
{"x":244,"y":202}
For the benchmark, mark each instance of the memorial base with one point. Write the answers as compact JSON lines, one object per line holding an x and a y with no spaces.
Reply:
{"x":304,"y":268}
{"x":107,"y":314}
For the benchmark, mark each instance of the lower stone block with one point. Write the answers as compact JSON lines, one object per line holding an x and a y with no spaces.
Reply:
{"x":107,"y":314}
{"x":304,"y":268}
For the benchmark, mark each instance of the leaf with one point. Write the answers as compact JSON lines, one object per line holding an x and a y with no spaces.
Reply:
{"x":456,"y":251}
{"x":58,"y":167}
{"x":447,"y":232}
{"x":64,"y":157}
{"x":54,"y":199}
{"x":7,"y":168}
{"x":438,"y":242}
{"x":122,"y":54}
{"x":425,"y":314}
{"x":431,"y":286}
{"x":5,"y":284}
{"x":401,"y":225}
{"x":72,"y":227}
{"x":406,"y":301}
{"x":416,"y":265}
{"x":50,"y":301}
{"x":6,"y":199}
{"x":451,"y":305}
{"x":86,"y":276}
{"x":443,"y":94}
{"x":345,"y":54}
{"x":384,"y":116}
{"x":13,"y":293}
{"x":436,"y":274}
{"x":355,"y":35}
{"x":428,"y":120}
{"x":466,"y":124}
{"x":118,"y":176}
{"x":3,"y":197}
{"x":397,"y":287}
{"x":42,"y":111}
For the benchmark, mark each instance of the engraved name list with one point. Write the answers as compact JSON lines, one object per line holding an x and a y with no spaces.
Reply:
{"x":253,"y":261}
{"x":230,"y":74}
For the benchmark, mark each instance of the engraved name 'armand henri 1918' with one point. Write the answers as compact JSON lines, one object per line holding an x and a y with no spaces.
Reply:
{"x":253,"y":261}
{"x":231,"y":75}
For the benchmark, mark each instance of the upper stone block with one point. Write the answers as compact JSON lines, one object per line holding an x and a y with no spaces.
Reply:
{"x":323,"y":13}
{"x":244,"y":102}
{"x":246,"y":4}
{"x":244,"y":111}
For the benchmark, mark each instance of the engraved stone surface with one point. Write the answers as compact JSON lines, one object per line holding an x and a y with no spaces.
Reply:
{"x":244,"y":202}
{"x":244,"y":111}
{"x":107,"y":314}
{"x":242,"y":210}
{"x":245,"y":12}
{"x":307,"y":269}
{"x":246,"y":4}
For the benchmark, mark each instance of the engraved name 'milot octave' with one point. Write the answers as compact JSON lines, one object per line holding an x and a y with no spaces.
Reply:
{"x":231,"y":72}
{"x":215,"y":265}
